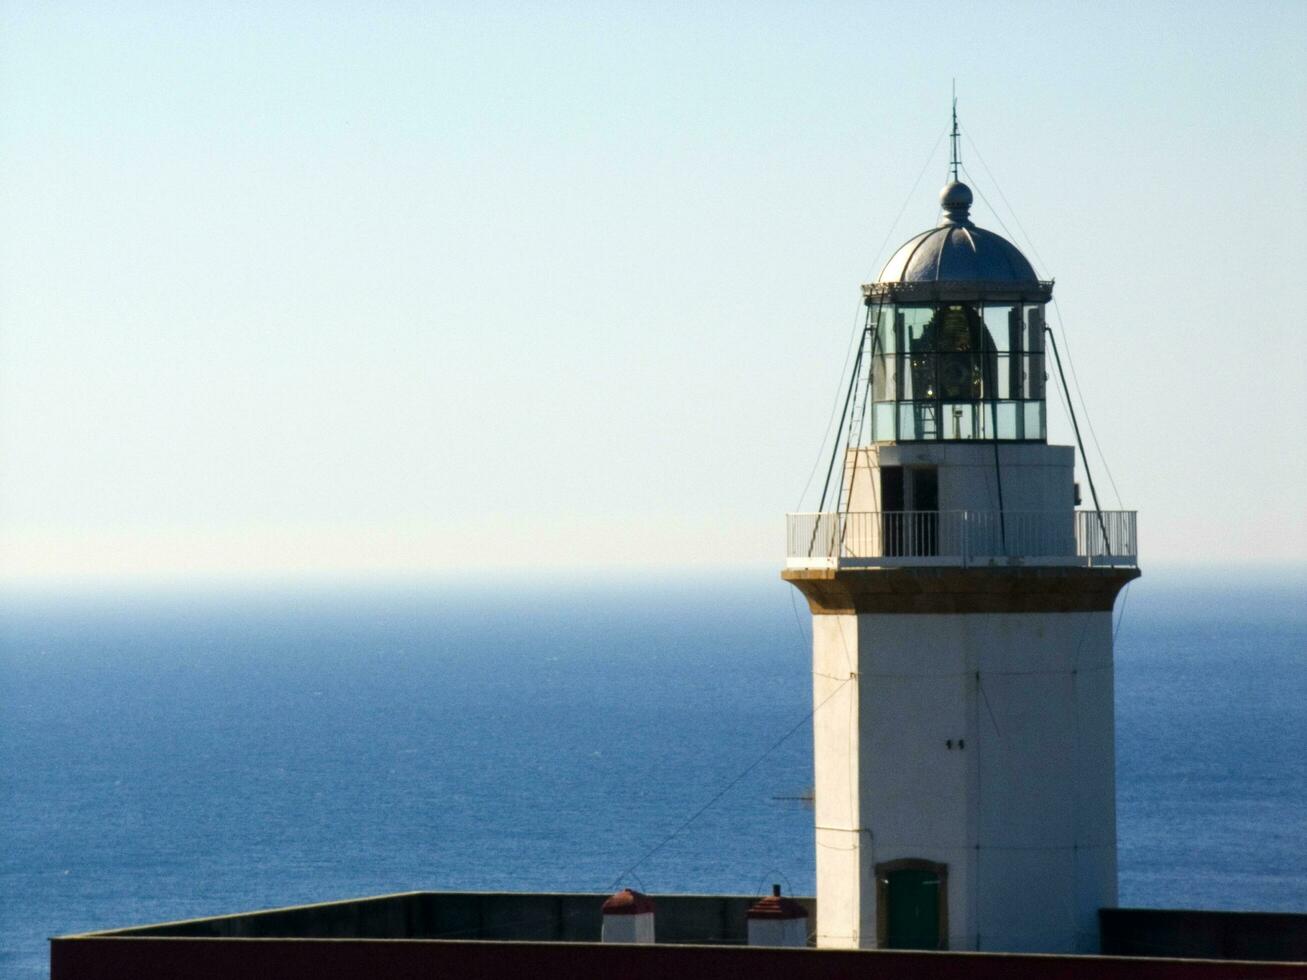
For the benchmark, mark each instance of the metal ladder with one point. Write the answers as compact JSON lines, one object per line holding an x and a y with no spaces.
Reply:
{"x":929,"y":419}
{"x":858,"y":423}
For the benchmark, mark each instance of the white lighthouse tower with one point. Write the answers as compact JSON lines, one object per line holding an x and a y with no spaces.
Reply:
{"x":962,"y":623}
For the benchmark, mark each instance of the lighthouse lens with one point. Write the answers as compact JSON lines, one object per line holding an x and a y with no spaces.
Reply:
{"x":956,"y":370}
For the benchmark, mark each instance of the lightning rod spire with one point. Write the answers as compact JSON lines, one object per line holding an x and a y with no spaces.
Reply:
{"x":954,"y":161}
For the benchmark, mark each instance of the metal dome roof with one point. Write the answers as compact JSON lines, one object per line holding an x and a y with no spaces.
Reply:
{"x":957,"y":260}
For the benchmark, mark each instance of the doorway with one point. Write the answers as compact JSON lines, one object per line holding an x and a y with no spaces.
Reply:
{"x":912,"y":905}
{"x":910,"y":511}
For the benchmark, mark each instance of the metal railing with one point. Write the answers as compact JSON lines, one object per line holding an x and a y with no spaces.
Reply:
{"x":961,"y":537}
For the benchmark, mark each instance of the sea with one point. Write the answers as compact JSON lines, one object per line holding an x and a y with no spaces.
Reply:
{"x":186,"y":751}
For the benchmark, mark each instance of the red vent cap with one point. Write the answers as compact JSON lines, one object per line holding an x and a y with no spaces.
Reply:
{"x":776,"y":906}
{"x":628,"y":902}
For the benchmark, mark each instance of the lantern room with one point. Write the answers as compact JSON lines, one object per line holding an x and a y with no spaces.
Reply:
{"x":954,"y":348}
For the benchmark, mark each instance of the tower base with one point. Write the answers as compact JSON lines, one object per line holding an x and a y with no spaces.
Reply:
{"x":964,"y":756}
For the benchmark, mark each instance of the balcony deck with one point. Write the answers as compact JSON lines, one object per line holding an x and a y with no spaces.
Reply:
{"x":961,"y":539}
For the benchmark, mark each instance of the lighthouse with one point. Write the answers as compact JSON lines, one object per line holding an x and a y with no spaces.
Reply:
{"x":962,"y":621}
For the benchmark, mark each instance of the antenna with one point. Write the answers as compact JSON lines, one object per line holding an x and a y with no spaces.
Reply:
{"x":954,"y":162}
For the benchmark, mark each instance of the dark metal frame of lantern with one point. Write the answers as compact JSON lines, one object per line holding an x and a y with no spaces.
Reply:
{"x":956,"y":364}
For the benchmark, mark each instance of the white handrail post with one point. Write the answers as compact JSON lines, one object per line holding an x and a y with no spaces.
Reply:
{"x":966,"y":539}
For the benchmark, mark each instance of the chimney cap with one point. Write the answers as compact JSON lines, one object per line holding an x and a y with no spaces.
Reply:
{"x":776,"y":906}
{"x":628,"y":902}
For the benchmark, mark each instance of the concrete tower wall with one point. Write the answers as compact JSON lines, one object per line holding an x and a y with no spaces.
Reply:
{"x":980,"y":742}
{"x":1035,"y":476}
{"x":965,"y":714}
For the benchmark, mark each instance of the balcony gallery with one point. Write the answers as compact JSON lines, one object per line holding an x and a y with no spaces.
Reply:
{"x":961,"y":538}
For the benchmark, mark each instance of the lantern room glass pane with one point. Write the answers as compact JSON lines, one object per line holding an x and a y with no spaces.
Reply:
{"x":919,"y":380}
{"x":959,"y":420}
{"x":1033,"y":376}
{"x":998,"y":378}
{"x":884,"y":378}
{"x":883,"y":422}
{"x":917,"y":420}
{"x":885,"y":340}
{"x":1034,"y":333}
{"x":1002,"y":323}
{"x":957,"y":329}
{"x":915,"y":329}
{"x":1007,"y":418}
{"x":1034,"y":416}
{"x":959,"y":376}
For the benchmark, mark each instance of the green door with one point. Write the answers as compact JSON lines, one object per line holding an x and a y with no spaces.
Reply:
{"x":912,"y":918}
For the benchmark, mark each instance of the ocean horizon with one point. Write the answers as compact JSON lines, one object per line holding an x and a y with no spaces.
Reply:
{"x":210,"y":748}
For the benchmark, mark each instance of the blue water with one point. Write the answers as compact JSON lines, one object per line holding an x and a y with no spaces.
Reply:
{"x":178,"y":754}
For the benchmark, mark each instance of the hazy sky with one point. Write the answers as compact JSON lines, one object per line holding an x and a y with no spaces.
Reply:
{"x":391,"y":287}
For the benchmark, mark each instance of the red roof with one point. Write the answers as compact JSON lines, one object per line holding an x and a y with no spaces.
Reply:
{"x":628,"y":902}
{"x":776,"y":906}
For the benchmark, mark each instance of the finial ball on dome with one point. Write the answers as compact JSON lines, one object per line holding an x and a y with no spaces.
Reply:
{"x":956,"y":199}
{"x":955,"y":195}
